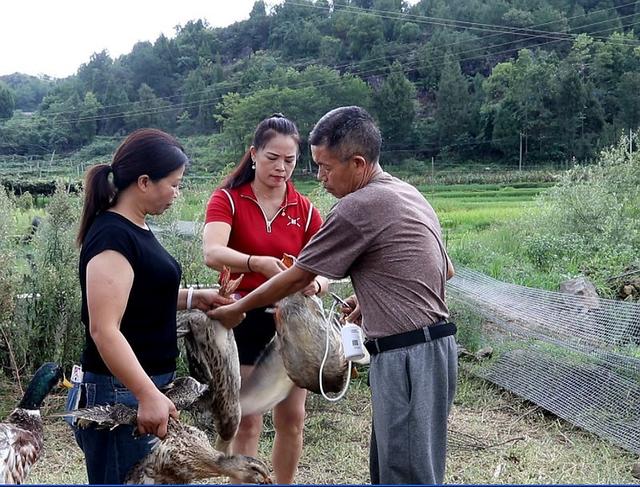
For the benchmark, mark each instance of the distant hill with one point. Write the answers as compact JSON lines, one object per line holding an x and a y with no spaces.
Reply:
{"x":518,"y":82}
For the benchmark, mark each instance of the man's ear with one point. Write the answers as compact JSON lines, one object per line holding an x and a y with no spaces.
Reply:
{"x":143,"y":182}
{"x":359,"y":161}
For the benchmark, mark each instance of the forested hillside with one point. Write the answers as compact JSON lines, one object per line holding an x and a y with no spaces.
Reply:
{"x":552,"y":80}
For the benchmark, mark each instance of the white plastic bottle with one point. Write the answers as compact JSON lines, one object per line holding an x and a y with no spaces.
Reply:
{"x":352,"y":342}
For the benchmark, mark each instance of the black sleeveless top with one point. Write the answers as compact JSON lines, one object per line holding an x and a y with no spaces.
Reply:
{"x":149,"y":320}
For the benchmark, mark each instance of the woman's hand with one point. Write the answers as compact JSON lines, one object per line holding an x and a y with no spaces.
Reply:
{"x":311,"y":289}
{"x":154,"y":409}
{"x":227,"y":315}
{"x":267,"y":266}
{"x":208,"y":299}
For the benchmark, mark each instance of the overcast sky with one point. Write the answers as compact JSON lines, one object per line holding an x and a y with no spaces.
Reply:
{"x":54,"y":37}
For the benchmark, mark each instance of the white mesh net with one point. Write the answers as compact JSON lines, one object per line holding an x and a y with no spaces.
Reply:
{"x":578,"y":357}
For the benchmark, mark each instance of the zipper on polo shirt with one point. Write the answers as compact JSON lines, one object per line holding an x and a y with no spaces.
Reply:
{"x":264,"y":215}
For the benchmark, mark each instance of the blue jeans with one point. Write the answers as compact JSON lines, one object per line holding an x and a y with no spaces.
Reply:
{"x":109,"y":455}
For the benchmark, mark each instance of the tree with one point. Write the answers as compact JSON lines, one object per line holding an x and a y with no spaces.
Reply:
{"x":519,"y":98}
{"x":366,"y":32}
{"x":28,"y":90}
{"x":88,"y":121}
{"x":570,"y":106}
{"x":302,"y":96}
{"x":394,"y":105}
{"x":628,"y":90}
{"x":452,"y":104}
{"x":7,"y":101}
{"x":201,"y":95}
{"x":149,"y":111}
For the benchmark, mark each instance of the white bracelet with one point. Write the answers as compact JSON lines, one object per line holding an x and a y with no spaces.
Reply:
{"x":189,"y":297}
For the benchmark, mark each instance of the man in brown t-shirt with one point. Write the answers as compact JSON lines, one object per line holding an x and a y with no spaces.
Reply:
{"x":386,"y":237}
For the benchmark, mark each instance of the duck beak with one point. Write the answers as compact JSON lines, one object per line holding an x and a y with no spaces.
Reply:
{"x":65,"y":383}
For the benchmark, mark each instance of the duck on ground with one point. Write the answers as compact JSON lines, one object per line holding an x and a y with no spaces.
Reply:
{"x":22,"y":433}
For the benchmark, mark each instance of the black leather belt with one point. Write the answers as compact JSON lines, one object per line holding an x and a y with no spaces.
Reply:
{"x":413,"y":337}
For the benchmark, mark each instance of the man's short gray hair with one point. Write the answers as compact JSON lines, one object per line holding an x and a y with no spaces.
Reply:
{"x":348,"y":131}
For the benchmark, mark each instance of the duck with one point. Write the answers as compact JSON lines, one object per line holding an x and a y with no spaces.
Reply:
{"x":212,"y":356}
{"x":294,"y":356}
{"x":22,"y":432}
{"x":183,"y":392}
{"x":302,"y":326}
{"x":185,"y":454}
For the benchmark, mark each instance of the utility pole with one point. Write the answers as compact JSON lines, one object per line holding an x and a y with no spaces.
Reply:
{"x":433,"y":168}
{"x":520,"y":161}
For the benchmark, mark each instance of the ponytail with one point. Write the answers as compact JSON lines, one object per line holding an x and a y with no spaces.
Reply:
{"x":99,"y":195}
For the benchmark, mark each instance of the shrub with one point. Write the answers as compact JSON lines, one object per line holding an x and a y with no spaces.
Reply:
{"x":8,"y":284}
{"x":51,"y":329}
{"x":591,"y":218}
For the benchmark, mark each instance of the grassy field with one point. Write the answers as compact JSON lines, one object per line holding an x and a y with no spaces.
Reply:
{"x":494,"y":437}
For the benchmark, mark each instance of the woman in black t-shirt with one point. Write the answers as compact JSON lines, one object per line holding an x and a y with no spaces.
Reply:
{"x":130,"y":295}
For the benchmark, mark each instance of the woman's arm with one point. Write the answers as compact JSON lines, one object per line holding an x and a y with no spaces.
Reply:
{"x":450,"y":269}
{"x":109,"y":280}
{"x":215,"y":241}
{"x":318,"y":287}
{"x":202,"y":299}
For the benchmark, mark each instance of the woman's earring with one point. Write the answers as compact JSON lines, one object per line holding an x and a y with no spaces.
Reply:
{"x":253,"y":164}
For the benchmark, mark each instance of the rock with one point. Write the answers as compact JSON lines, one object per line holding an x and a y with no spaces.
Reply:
{"x":581,"y":286}
{"x":635,"y":470}
{"x":484,"y":353}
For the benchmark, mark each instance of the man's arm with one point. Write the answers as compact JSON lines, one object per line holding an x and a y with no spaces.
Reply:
{"x":287,"y":282}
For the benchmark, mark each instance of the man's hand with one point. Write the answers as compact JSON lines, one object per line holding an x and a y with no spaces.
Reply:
{"x":353,"y":311}
{"x":227,"y":315}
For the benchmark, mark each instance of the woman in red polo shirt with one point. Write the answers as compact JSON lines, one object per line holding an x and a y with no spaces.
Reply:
{"x":252,"y":219}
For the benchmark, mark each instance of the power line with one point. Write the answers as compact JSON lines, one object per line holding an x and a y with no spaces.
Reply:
{"x":480,"y":26}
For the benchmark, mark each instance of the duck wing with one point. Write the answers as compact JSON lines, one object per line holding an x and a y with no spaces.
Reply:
{"x":19,"y":450}
{"x":267,"y":385}
{"x":184,"y":392}
{"x":103,"y":416}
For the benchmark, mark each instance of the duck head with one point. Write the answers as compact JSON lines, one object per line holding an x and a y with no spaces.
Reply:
{"x":48,"y":376}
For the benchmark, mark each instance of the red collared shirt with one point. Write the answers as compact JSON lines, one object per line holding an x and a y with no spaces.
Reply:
{"x":253,"y":233}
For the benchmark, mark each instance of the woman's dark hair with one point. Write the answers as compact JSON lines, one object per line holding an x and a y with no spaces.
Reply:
{"x":276,"y":124}
{"x":150,"y":152}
